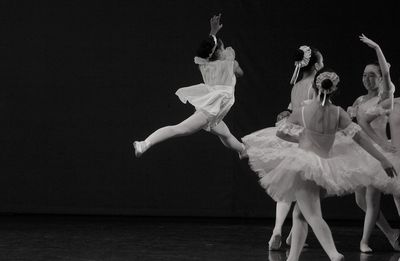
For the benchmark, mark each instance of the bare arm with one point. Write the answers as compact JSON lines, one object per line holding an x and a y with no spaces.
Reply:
{"x":237,"y":70}
{"x":364,"y":120}
{"x":384,"y":66}
{"x":362,"y":139}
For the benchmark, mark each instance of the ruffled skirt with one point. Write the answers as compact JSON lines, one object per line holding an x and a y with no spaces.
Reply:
{"x":214,"y":101}
{"x":284,"y":168}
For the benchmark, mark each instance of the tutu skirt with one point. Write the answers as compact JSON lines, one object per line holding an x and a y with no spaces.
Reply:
{"x":284,"y":168}
{"x":214,"y":101}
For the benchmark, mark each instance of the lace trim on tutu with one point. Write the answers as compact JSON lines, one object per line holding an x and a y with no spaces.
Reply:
{"x":289,"y":128}
{"x":351,"y":130}
{"x":376,"y":111}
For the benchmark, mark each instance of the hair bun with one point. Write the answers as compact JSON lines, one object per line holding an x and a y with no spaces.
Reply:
{"x":326,"y":84}
{"x":298,"y":56}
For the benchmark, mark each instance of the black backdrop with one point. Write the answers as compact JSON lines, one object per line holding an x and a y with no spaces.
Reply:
{"x":80,"y":82}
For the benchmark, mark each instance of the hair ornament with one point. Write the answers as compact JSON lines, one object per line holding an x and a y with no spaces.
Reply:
{"x":300,"y":64}
{"x":331,"y":76}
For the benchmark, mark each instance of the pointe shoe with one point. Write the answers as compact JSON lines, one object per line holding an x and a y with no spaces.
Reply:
{"x":275,"y":242}
{"x":140,"y":148}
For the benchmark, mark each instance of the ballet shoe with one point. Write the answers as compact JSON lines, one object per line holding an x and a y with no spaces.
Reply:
{"x":275,"y":242}
{"x":140,"y":148}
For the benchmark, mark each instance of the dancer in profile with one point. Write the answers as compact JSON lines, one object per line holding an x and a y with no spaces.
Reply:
{"x":373,"y":112}
{"x":298,"y":173}
{"x":308,"y":61}
{"x":212,"y":99}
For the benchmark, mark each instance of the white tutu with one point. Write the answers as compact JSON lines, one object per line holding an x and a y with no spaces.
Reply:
{"x":283,"y":167}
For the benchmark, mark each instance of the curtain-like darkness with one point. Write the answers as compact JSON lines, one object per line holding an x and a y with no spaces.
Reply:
{"x":81,"y":82}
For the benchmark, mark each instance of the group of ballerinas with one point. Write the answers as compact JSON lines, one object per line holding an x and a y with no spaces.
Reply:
{"x":315,"y":150}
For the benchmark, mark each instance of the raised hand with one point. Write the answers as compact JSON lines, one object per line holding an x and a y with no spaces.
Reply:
{"x":368,"y":41}
{"x":215,"y":26}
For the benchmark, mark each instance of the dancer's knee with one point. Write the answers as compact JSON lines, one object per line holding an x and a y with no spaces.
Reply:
{"x":297,"y":214}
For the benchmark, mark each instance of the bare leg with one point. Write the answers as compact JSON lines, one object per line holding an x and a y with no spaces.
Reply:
{"x":299,"y":234}
{"x":189,"y":126}
{"x":282,"y":210}
{"x":309,"y":204}
{"x":372,"y":200}
{"x":226,"y":137}
{"x":390,"y":233}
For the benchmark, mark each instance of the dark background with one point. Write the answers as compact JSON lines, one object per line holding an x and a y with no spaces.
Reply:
{"x":81,"y":81}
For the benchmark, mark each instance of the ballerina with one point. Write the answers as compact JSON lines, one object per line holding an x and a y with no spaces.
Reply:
{"x":299,"y":173}
{"x":211,"y":99}
{"x":371,"y":111}
{"x":308,"y":61}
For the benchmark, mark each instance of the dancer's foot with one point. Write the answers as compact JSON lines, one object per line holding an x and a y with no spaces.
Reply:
{"x":394,"y":240}
{"x":289,"y":238}
{"x":275,"y":242}
{"x":339,"y":257}
{"x":276,"y":256}
{"x":140,"y":148}
{"x":364,"y":248}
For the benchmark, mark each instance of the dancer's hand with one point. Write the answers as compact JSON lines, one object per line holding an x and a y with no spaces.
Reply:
{"x":282,"y":115}
{"x":215,"y":25}
{"x":391,"y":172}
{"x":388,"y":167}
{"x":368,"y":42}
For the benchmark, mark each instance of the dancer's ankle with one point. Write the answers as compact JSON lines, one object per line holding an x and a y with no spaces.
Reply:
{"x":364,"y":247}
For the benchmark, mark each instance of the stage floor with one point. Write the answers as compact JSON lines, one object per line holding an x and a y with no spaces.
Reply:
{"x":90,"y":238}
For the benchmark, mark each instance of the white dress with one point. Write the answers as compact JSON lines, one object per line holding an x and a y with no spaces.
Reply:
{"x":336,"y":170}
{"x":215,"y":96}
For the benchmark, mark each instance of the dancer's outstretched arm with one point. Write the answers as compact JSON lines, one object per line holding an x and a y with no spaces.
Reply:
{"x":362,"y":139}
{"x":364,"y":120}
{"x":383,"y":65}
